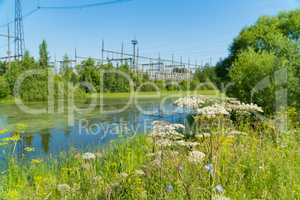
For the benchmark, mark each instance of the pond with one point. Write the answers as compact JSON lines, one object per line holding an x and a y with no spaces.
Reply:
{"x":50,"y":134}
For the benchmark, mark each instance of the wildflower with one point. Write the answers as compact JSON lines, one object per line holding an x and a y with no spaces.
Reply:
{"x":29,"y":149}
{"x":36,"y":161}
{"x":164,"y":143}
{"x":191,"y":102}
{"x":89,"y":156}
{"x":234,"y":133}
{"x":139,"y":172}
{"x":97,"y":179}
{"x":166,"y":130}
{"x":219,"y":188}
{"x":180,"y":168}
{"x":203,"y":135}
{"x":212,"y":111}
{"x":237,"y":106}
{"x":220,"y":197}
{"x":13,"y":194}
{"x":169,"y":188}
{"x":196,"y":157}
{"x":187,"y":144}
{"x":124,"y":175}
{"x":63,"y":188}
{"x":209,"y":168}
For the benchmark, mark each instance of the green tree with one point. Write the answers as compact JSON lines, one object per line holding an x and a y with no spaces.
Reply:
{"x":255,"y":71}
{"x":44,"y":55}
{"x":67,"y":71}
{"x":89,"y":73}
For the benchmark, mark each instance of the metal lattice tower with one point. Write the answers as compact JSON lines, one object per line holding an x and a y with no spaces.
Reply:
{"x":19,"y":30}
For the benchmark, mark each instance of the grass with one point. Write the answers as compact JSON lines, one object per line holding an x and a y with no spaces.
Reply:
{"x":252,"y":166}
{"x":110,"y":95}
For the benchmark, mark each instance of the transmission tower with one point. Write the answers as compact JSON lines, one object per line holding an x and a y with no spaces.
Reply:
{"x":19,"y":30}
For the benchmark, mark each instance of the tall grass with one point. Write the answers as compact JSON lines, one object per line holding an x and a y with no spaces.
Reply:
{"x":251,"y":166}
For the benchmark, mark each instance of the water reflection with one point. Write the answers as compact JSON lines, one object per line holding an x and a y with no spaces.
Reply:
{"x":51,"y":135}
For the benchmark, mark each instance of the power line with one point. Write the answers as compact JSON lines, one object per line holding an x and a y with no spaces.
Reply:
{"x":84,"y":5}
{"x":66,"y":7}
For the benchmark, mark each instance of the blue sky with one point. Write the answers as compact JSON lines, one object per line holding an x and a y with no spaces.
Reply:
{"x":198,"y":29}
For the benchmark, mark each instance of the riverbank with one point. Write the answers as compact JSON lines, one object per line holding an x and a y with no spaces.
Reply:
{"x":126,"y":95}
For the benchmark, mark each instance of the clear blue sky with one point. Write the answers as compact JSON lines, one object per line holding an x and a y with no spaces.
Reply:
{"x":198,"y":29}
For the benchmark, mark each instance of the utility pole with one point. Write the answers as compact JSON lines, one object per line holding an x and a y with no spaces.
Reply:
{"x":8,"y":46}
{"x":19,"y":30}
{"x":122,"y":53}
{"x":134,"y":43}
{"x":102,"y":53}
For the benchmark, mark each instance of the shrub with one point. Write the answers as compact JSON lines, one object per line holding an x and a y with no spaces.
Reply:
{"x":4,"y":87}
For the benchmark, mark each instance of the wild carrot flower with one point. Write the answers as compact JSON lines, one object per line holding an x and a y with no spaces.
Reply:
{"x":139,"y":172}
{"x":219,"y":188}
{"x":63,"y":188}
{"x":124,"y":175}
{"x":196,"y":157}
{"x":89,"y":156}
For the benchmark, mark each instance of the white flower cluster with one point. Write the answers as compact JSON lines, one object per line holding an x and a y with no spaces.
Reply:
{"x":166,"y":130}
{"x":234,"y":105}
{"x":212,"y":111}
{"x":192,"y":102}
{"x":196,"y":157}
{"x":88,"y":156}
{"x":215,"y":106}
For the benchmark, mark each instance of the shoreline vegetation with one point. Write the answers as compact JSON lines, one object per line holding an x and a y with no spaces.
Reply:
{"x":225,"y":152}
{"x":125,"y":95}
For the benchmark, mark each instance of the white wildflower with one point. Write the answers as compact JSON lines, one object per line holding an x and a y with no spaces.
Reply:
{"x":196,"y":157}
{"x":187,"y":144}
{"x":124,"y":175}
{"x":139,"y":172}
{"x":242,"y":107}
{"x":212,"y":111}
{"x":166,"y":130}
{"x":191,"y":102}
{"x":89,"y":156}
{"x":219,"y":188}
{"x":164,"y":143}
{"x":63,"y":188}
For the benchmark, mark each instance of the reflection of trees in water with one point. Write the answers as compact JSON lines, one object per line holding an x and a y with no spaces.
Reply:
{"x":28,"y":140}
{"x":45,"y":140}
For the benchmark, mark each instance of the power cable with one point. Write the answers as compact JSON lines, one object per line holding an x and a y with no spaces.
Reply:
{"x":84,"y":5}
{"x":67,"y":7}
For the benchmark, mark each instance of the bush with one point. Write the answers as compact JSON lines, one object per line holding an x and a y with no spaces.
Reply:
{"x":4,"y":87}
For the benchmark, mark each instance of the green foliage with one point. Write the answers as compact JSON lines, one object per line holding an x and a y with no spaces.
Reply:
{"x":271,"y":44}
{"x":44,"y":55}
{"x":2,"y":68}
{"x":4,"y":87}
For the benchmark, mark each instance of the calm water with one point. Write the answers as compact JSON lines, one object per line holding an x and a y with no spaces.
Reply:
{"x":51,"y":134}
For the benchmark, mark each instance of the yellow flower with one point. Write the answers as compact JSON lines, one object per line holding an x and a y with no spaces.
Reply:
{"x":13,"y":195}
{"x":36,"y":161}
{"x":29,"y":149}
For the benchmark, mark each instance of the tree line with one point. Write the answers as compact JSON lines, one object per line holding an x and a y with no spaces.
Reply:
{"x":92,"y":77}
